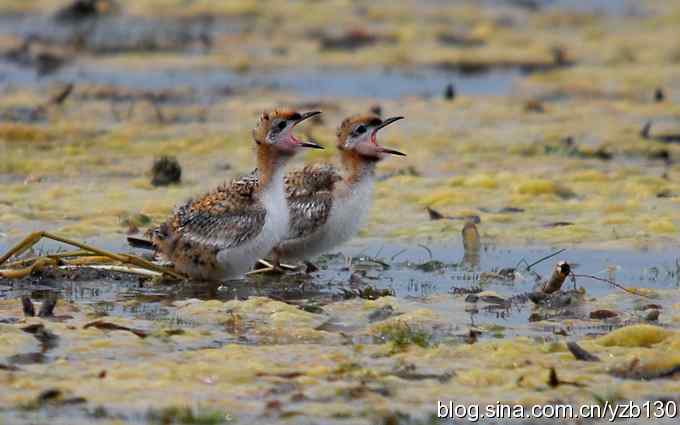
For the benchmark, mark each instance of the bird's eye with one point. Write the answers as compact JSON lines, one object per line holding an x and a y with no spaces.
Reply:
{"x":282,"y":125}
{"x":361,"y":129}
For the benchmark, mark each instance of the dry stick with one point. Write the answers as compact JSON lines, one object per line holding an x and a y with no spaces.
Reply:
{"x":392,"y":258}
{"x":429,"y":251}
{"x":601,"y":279}
{"x":34,"y":238}
{"x":547,"y":257}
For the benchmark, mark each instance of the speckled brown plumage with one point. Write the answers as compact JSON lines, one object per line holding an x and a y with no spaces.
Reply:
{"x":328,"y":207}
{"x":224,"y":218}
{"x":309,"y":192}
{"x":221,"y":234}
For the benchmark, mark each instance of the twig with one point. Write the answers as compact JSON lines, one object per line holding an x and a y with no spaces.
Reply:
{"x":377,"y":254}
{"x":392,"y":258}
{"x":27,"y":306}
{"x":547,"y":257}
{"x":426,"y":249}
{"x":601,"y":279}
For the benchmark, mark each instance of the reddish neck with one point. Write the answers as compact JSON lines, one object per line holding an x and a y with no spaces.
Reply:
{"x":357,"y":167}
{"x":270,"y":162}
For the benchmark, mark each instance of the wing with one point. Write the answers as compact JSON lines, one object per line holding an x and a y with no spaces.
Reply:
{"x":311,"y":179}
{"x":308,"y":213}
{"x":309,"y":192}
{"x":221,"y":228}
{"x":224,"y":218}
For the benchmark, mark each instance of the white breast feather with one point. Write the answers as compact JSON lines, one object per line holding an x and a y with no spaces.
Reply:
{"x":346,"y":218}
{"x":239,"y":260}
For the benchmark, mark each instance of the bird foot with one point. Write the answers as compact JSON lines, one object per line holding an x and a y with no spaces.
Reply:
{"x":271,"y":268}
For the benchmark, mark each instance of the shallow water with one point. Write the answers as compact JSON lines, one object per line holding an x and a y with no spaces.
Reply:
{"x":417,"y":273}
{"x":312,"y":83}
{"x":567,"y":170}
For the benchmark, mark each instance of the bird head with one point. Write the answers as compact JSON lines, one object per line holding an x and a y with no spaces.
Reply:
{"x":359,"y":134}
{"x":275,"y":129}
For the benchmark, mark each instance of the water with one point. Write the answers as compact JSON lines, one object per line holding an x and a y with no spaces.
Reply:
{"x":307,"y":82}
{"x":411,"y":272}
{"x":597,"y":7}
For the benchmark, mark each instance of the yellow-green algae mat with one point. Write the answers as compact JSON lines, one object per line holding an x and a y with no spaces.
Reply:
{"x":297,"y":367}
{"x":260,"y":360}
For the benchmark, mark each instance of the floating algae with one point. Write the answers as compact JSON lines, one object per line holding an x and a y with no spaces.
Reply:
{"x":544,"y":130}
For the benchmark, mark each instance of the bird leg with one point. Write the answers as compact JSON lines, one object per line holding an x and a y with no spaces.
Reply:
{"x":274,"y":267}
{"x":34,"y":238}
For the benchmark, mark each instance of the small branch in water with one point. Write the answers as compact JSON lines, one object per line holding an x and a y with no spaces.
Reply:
{"x":580,"y":353}
{"x":623,"y":288}
{"x":429,"y":251}
{"x":540,"y":260}
{"x":559,"y":275}
{"x":392,"y":258}
{"x":27,"y":305}
{"x":47,"y":308}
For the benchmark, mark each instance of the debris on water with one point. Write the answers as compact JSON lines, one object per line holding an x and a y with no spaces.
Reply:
{"x":79,"y":10}
{"x":567,"y":146}
{"x":652,"y":315}
{"x":557,"y":300}
{"x":603,"y":314}
{"x":456,"y":290}
{"x":381,"y":313}
{"x":659,"y":95}
{"x":639,"y":372}
{"x":400,"y":334}
{"x":100,"y":324}
{"x":560,"y":273}
{"x":368,"y":293}
{"x":459,"y":40}
{"x":53,"y":396}
{"x":534,"y":106}
{"x":554,"y":381}
{"x":47,"y":339}
{"x":472,"y":336}
{"x":491,"y":297}
{"x":560,"y":56}
{"x":27,"y":306}
{"x":9,"y":367}
{"x":450,"y":92}
{"x":580,"y":353}
{"x":61,"y":94}
{"x":408,"y":372}
{"x":431,"y":266}
{"x":166,"y":171}
{"x":351,"y":40}
{"x":633,"y":291}
{"x":471,"y":244}
{"x":472,"y":298}
{"x":44,"y":58}
{"x":47,"y":307}
{"x":558,"y":224}
{"x":436,"y":215}
{"x":646,"y":133}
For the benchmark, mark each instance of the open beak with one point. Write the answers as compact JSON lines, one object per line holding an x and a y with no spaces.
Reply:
{"x":307,"y":115}
{"x":387,"y":122}
{"x":311,"y":144}
{"x":392,"y":152}
{"x":384,"y":124}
